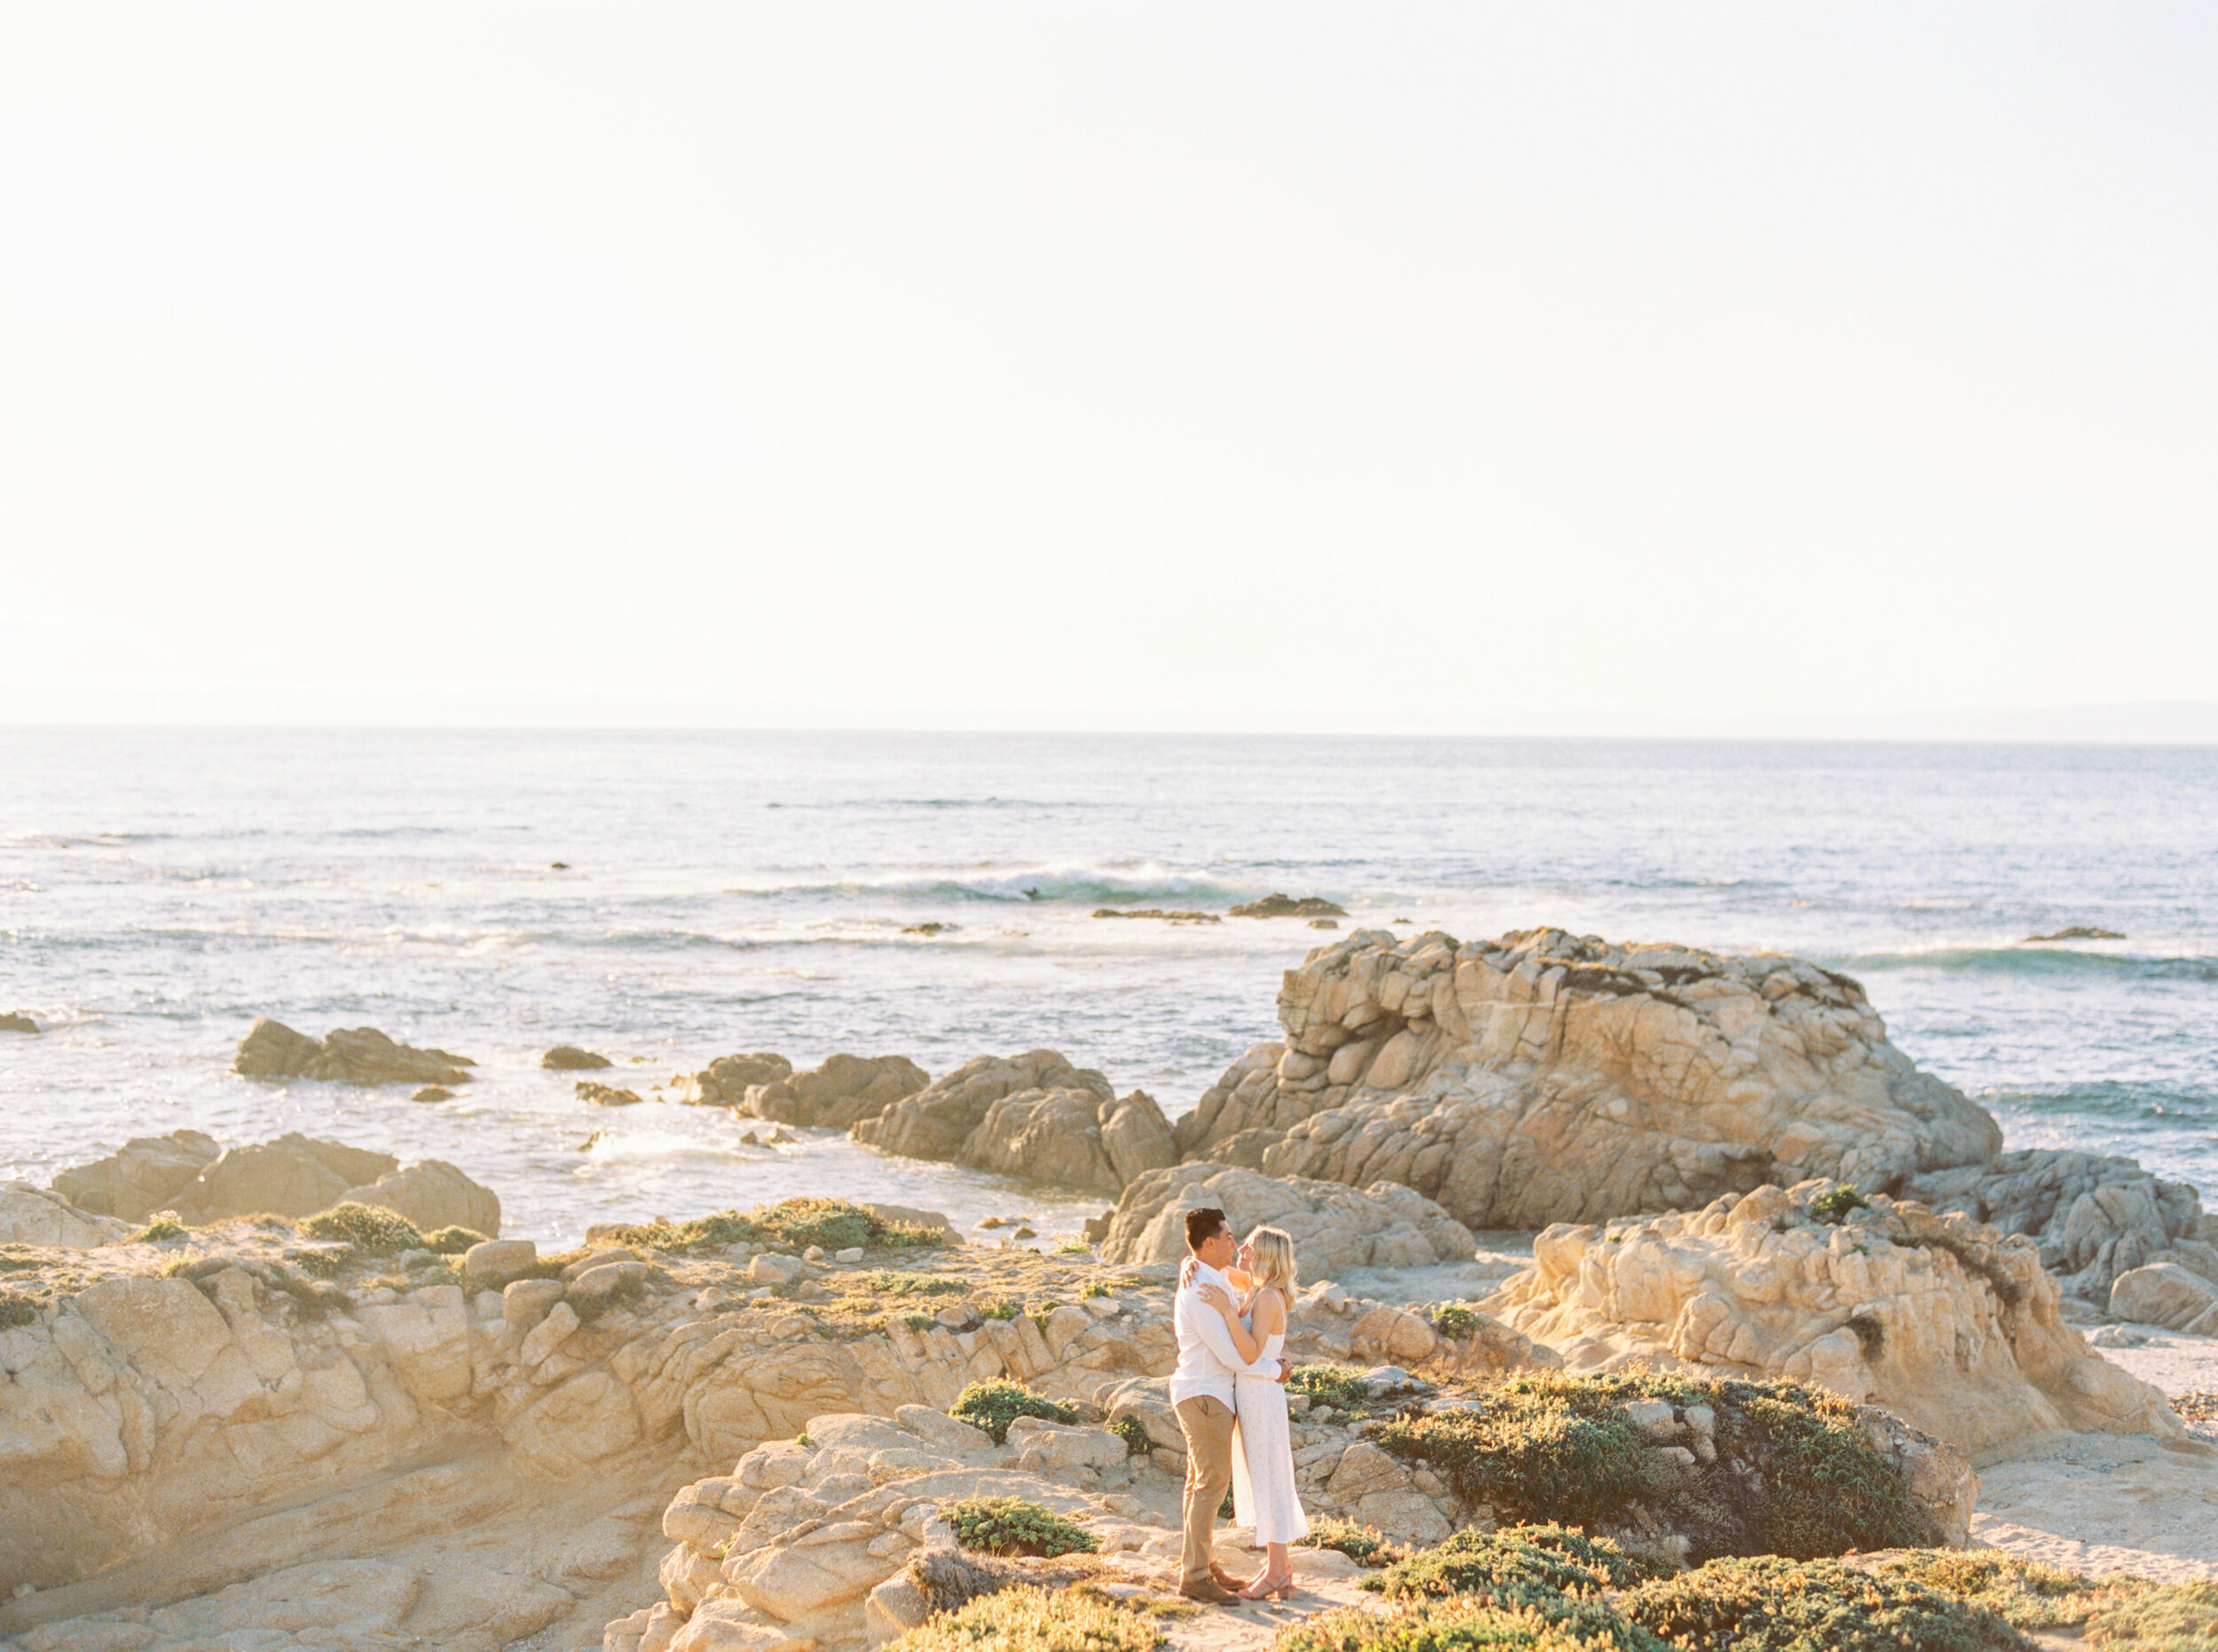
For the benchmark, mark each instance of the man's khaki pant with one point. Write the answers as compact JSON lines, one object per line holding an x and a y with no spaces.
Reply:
{"x":1207,"y":1423}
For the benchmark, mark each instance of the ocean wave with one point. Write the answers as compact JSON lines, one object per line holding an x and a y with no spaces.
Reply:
{"x":929,"y":803}
{"x":80,"y":840}
{"x":2058,"y":962}
{"x":1020,"y":886}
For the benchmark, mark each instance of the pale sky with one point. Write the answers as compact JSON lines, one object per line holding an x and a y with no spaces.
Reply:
{"x":1456,"y":367}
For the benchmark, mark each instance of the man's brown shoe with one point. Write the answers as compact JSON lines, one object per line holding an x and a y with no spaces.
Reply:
{"x":1226,"y":1577}
{"x":1214,"y":1593}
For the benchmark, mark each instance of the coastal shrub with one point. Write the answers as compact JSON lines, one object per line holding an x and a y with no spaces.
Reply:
{"x":1569,"y":1624}
{"x":323,"y":1263}
{"x":371,"y":1229}
{"x":1071,"y":1245}
{"x":919,"y":1322}
{"x":160,"y":1229}
{"x":452,"y":1241}
{"x":1547,"y":1446}
{"x":1326,"y":1384}
{"x":994,"y":1406}
{"x":1009,"y":1525}
{"x":885,"y":1283}
{"x":834,"y":1224}
{"x":1367,"y":1545}
{"x":1836,"y":1202}
{"x":2112,"y":1611}
{"x":1134,"y":1433}
{"x":1094,"y":1289}
{"x":1770,"y":1604}
{"x":1454,"y":1321}
{"x":17,"y":1309}
{"x":1517,"y":1566}
{"x":1032,"y":1619}
{"x":1004,"y":1309}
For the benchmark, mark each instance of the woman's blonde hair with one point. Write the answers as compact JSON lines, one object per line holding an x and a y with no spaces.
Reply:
{"x":1272,"y":1252}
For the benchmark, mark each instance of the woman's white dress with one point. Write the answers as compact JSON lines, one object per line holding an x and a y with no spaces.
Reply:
{"x":1263,"y":1493}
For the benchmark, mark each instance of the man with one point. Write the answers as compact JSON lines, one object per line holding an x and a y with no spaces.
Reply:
{"x":1201,"y":1394}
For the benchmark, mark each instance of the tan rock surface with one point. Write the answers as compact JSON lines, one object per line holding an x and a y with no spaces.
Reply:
{"x":33,"y":1216}
{"x":139,"y":1177}
{"x":838,"y":1094}
{"x":1033,"y":1115}
{"x":433,"y":1195}
{"x":1953,"y":1324}
{"x":359,"y":1055}
{"x":294,"y":1175}
{"x":1543,"y":1078}
{"x":1335,"y":1227}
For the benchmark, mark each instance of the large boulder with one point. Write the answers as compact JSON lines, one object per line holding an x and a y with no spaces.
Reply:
{"x":32,"y":1216}
{"x":1032,"y":1115}
{"x":838,"y":1094}
{"x":1544,"y":1077}
{"x":141,"y":1177}
{"x":1953,"y":1324}
{"x":359,"y":1055}
{"x":2168,"y":1294}
{"x":433,"y":1195}
{"x":725,"y":1081}
{"x":294,"y":1175}
{"x":1334,"y":1228}
{"x":2094,"y":1217}
{"x":14,"y":1021}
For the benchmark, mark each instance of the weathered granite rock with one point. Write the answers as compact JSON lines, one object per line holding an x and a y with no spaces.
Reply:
{"x":570,"y":1059}
{"x":16,"y":1022}
{"x":1277,"y":905}
{"x":433,"y":1195}
{"x":1032,"y":1115}
{"x":606,"y":1095}
{"x":139,"y":1177}
{"x":2168,"y":1294}
{"x":1544,"y":1077}
{"x":837,"y":1095}
{"x":1953,"y":1324}
{"x":724,"y":1082}
{"x":2094,"y":1217}
{"x":1335,"y":1227}
{"x":33,"y":1215}
{"x":294,"y":1175}
{"x":359,"y":1055}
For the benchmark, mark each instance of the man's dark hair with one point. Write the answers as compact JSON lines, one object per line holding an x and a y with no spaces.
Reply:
{"x":1203,"y":1225}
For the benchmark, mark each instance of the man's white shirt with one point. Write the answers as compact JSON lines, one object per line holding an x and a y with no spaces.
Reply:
{"x":1207,"y":1360}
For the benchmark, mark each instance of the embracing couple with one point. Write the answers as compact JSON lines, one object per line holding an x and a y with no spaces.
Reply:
{"x":1229,"y":1394}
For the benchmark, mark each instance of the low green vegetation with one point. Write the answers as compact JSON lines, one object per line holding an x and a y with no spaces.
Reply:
{"x":17,"y":1309}
{"x":1009,"y":1525}
{"x":160,"y":1229}
{"x":1004,"y":1309}
{"x":1031,"y":1619}
{"x":1094,"y":1289}
{"x":1071,"y":1245}
{"x":1454,"y":1321}
{"x":1367,"y":1545}
{"x":371,"y":1229}
{"x":1338,"y":1386}
{"x":994,"y":1406}
{"x":1518,"y":1566}
{"x":1547,"y":1446}
{"x":887,"y":1283}
{"x":1836,"y":1202}
{"x":1769,"y":1604}
{"x":2118,"y":1612}
{"x":1576,"y":1625}
{"x":1133,"y":1432}
{"x":452,"y":1241}
{"x":834,"y":1224}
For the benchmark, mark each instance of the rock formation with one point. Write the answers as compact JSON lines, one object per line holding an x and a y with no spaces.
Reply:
{"x":1277,"y":905}
{"x":359,"y":1055}
{"x":570,"y":1059}
{"x":1953,"y":1324}
{"x":1335,"y":1227}
{"x":838,"y":1094}
{"x":294,"y":1175}
{"x":143,"y":1176}
{"x":2168,"y":1294}
{"x":725,"y":1081}
{"x":1544,"y":1078}
{"x":606,"y":1095}
{"x":14,"y":1022}
{"x":1032,"y":1115}
{"x":32,"y":1216}
{"x":2094,"y":1218}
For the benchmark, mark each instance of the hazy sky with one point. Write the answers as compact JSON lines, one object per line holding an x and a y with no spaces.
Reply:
{"x":1373,"y":366}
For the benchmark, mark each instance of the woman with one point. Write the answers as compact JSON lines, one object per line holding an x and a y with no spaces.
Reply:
{"x":1263,"y":1493}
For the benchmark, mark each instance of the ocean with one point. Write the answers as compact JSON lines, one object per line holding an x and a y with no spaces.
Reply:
{"x":723,"y":891}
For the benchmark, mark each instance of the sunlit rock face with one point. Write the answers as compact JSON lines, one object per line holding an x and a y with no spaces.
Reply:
{"x":1544,"y":1077}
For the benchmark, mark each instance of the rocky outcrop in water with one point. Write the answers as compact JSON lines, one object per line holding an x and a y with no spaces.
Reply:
{"x":1033,"y":1115}
{"x":838,"y":1094}
{"x":1544,"y":1078}
{"x":1277,"y":905}
{"x":1954,"y":1325}
{"x":359,"y":1055}
{"x":1334,"y":1228}
{"x":13,"y":1022}
{"x":570,"y":1059}
{"x":725,"y":1081}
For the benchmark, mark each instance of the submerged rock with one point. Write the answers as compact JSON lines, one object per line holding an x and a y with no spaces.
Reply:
{"x":359,"y":1055}
{"x":1032,"y":1115}
{"x":606,"y":1095}
{"x":2077,"y":931}
{"x":1275,"y":905}
{"x":1954,"y":1325}
{"x":570,"y":1059}
{"x":1544,"y":1078}
{"x":12,"y":1022}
